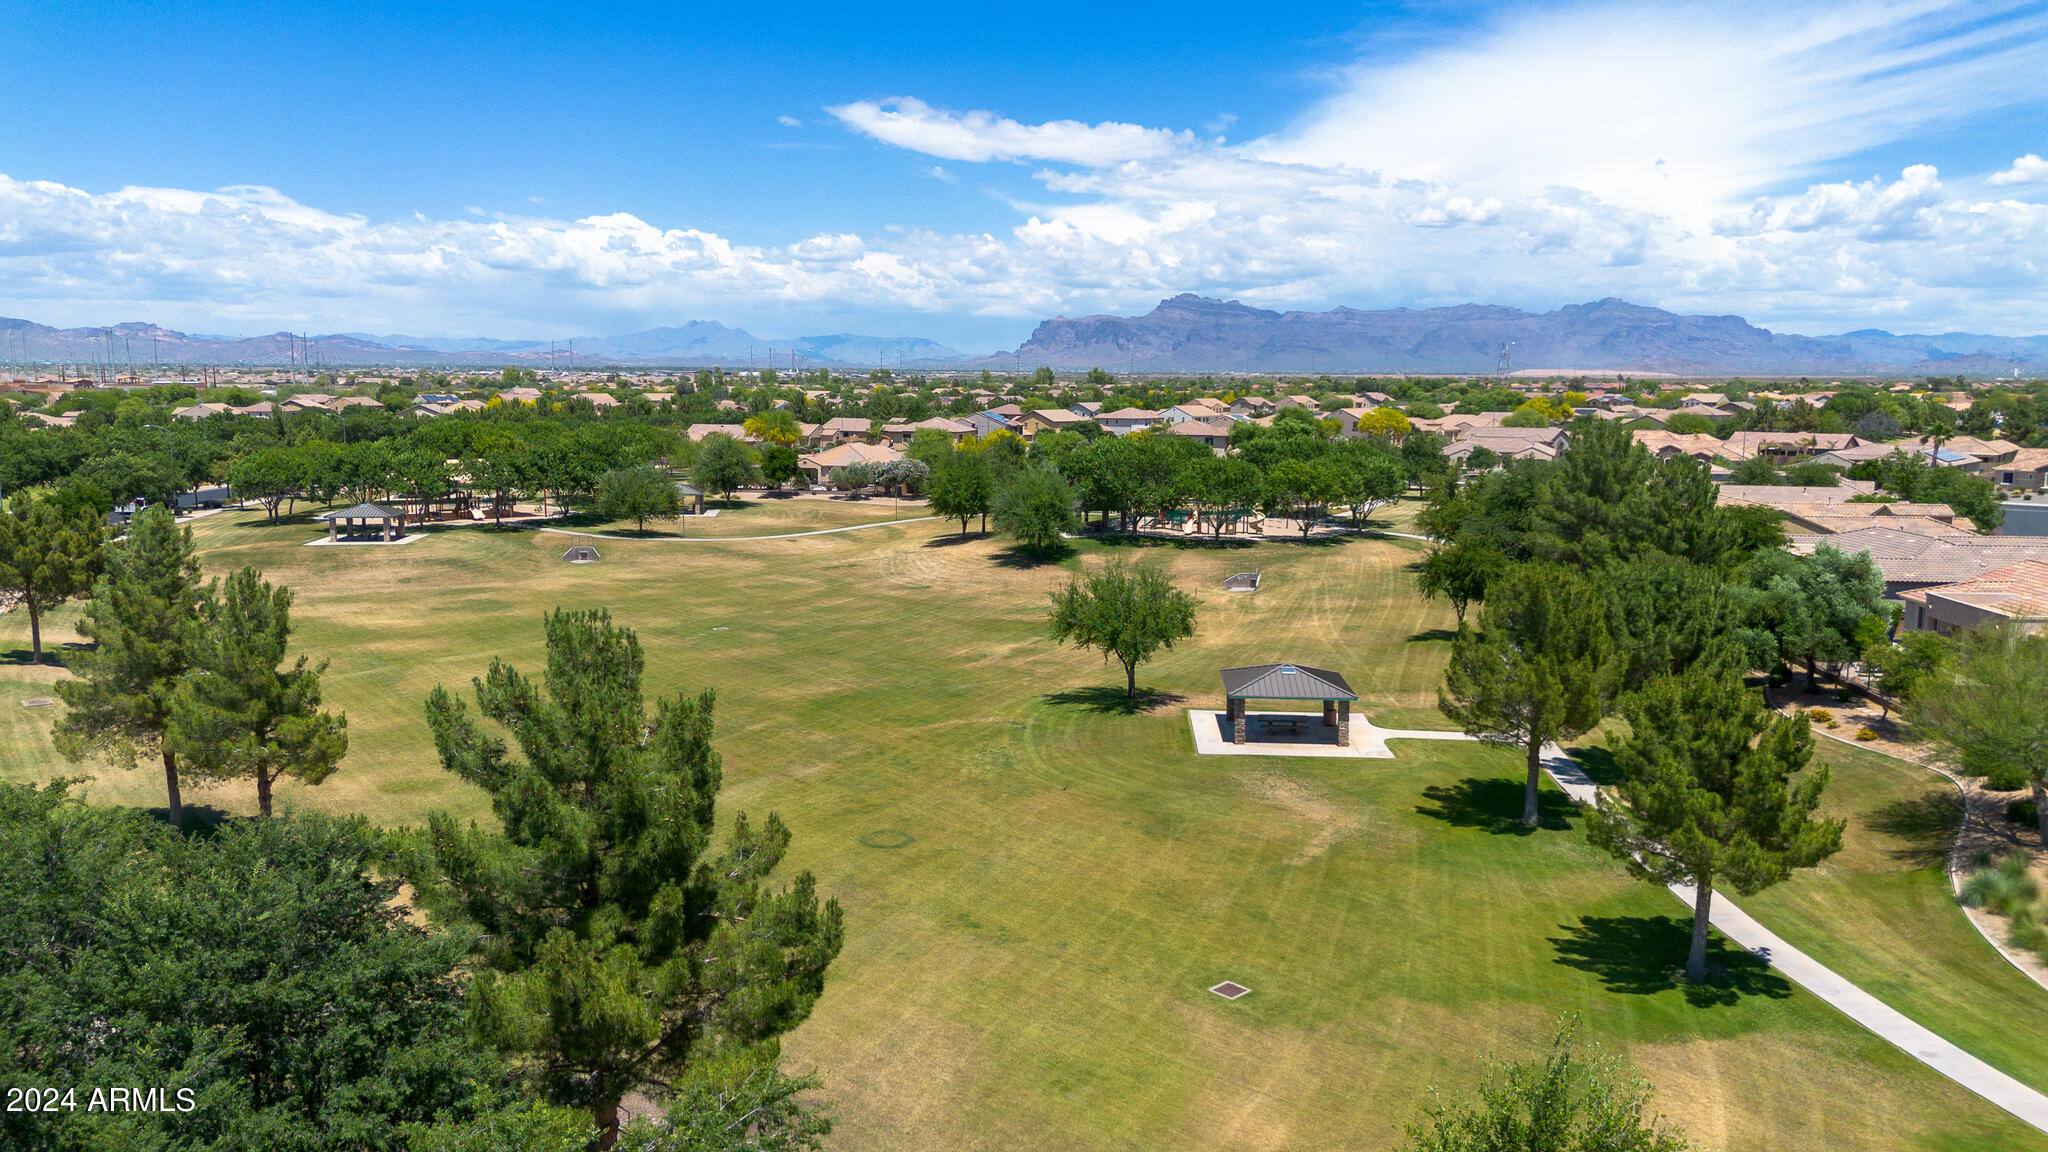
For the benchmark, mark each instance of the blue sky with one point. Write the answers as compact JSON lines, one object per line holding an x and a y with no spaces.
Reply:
{"x":961,"y":171}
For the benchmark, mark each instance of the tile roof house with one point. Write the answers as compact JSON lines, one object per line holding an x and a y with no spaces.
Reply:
{"x":1213,"y":433}
{"x":901,"y":432}
{"x":1912,"y":558}
{"x":819,"y":465}
{"x":1125,"y":421}
{"x":1786,"y":445}
{"x":1665,"y":445}
{"x":1049,"y":420}
{"x":2027,"y":468}
{"x":2016,"y":593}
{"x":736,"y":431}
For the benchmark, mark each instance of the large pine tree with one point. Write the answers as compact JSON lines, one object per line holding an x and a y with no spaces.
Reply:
{"x":241,"y":712}
{"x":624,"y":946}
{"x":140,"y":620}
{"x":1715,"y":789}
{"x":1539,"y":669}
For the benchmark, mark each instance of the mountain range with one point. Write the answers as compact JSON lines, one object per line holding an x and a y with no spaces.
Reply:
{"x":1185,"y":333}
{"x":699,"y":343}
{"x":1190,"y":333}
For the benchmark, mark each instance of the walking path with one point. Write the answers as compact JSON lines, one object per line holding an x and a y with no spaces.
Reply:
{"x":728,"y":539}
{"x":1851,"y":1001}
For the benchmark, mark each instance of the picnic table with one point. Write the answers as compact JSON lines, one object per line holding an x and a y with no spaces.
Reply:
{"x":1295,"y":724}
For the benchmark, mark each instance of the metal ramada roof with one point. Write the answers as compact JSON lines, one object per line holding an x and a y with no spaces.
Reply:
{"x":1285,"y":682}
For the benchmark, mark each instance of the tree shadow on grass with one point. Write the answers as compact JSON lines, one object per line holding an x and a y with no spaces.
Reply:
{"x":1644,"y":955}
{"x":1926,"y":825}
{"x":53,"y":654}
{"x":955,"y":539}
{"x":1111,"y":701}
{"x":1443,"y":634}
{"x":1599,"y":764}
{"x":201,"y":820}
{"x":1495,"y":804}
{"x":1016,"y":557}
{"x":1206,"y":543}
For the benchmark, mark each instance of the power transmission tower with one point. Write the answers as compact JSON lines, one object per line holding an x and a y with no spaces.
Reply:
{"x":1504,"y":364}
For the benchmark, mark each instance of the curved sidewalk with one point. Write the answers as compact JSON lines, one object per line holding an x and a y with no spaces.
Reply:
{"x":729,"y":539}
{"x":1853,"y":1002}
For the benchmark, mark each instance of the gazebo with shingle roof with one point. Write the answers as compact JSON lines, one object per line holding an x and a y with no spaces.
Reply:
{"x":390,"y":521}
{"x":1289,"y":682}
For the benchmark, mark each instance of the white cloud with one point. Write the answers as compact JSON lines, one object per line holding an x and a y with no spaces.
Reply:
{"x":2028,"y":169}
{"x":789,"y":122}
{"x":982,"y":136}
{"x":1664,"y":155}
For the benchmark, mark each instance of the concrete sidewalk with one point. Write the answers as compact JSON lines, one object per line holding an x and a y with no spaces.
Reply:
{"x":1212,"y":736}
{"x":1853,"y":1002}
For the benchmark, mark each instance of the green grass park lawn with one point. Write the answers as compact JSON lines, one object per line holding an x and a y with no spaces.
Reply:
{"x":1039,"y":887}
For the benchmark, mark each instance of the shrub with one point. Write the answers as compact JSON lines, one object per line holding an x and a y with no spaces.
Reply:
{"x":1821,"y":716}
{"x":1845,"y":696}
{"x":2003,"y":887}
{"x":1865,"y":734}
{"x":2022,"y":812}
{"x":1833,"y":723}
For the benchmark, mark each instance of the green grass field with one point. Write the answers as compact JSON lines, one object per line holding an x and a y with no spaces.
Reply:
{"x":1039,"y":887}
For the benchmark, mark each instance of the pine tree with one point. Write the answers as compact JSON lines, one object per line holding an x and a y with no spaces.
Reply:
{"x":1708,"y":793}
{"x":1540,"y":669}
{"x":140,"y":620}
{"x":623,"y":947}
{"x":48,"y":550}
{"x":237,"y":713}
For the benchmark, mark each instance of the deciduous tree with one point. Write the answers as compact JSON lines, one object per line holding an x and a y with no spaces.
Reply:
{"x":1127,"y":613}
{"x":1037,"y":507}
{"x":1984,"y":711}
{"x":724,"y":465}
{"x":638,"y":494}
{"x":962,"y":488}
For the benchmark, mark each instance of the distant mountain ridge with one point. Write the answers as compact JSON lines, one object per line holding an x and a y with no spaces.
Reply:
{"x":1189,"y":333}
{"x":1184,"y":333}
{"x":699,"y":343}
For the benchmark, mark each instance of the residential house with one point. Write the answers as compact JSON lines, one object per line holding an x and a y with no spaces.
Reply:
{"x":1049,"y":420}
{"x":1252,"y":406}
{"x":317,"y":401}
{"x":988,"y":423}
{"x":1125,"y":421}
{"x":1087,"y":409}
{"x":818,"y":466}
{"x":1203,"y":409}
{"x":955,"y":430}
{"x":1785,"y":447}
{"x":1664,"y":445}
{"x":736,"y":431}
{"x":1912,"y":557}
{"x":1215,"y":434}
{"x":2017,"y":593}
{"x":199,"y":411}
{"x":2026,"y":470}
{"x":839,"y":430}
{"x":1510,"y":443}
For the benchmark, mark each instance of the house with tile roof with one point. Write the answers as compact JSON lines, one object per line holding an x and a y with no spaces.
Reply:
{"x":2017,"y":593}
